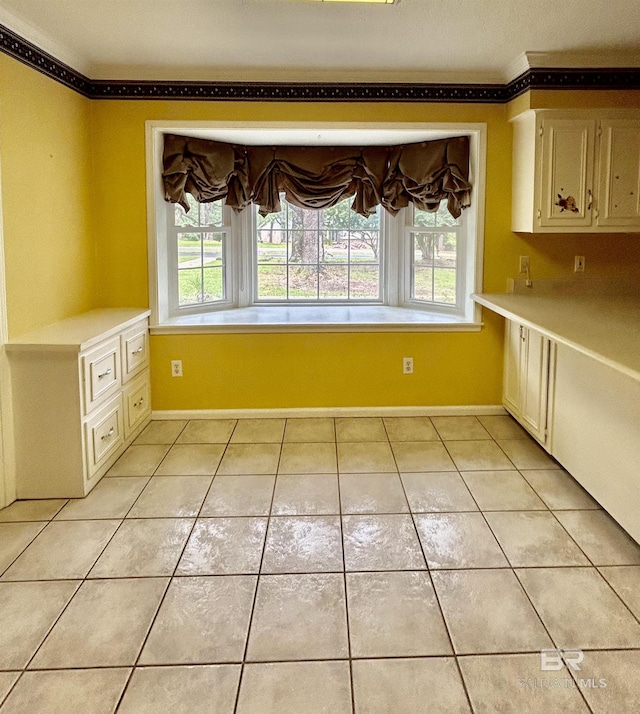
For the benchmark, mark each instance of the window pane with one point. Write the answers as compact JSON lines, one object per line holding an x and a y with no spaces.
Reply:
{"x":335,"y":246}
{"x":334,"y":282}
{"x":182,"y":218}
{"x":422,"y":284}
{"x":319,"y":246}
{"x":212,"y":249}
{"x":444,"y":285}
{"x":272,"y":282}
{"x":364,"y":246}
{"x":304,"y":247}
{"x":434,"y":262}
{"x":190,"y":286}
{"x":201,"y":262}
{"x":199,"y":214}
{"x":211,"y":214}
{"x":423,"y":248}
{"x":424,"y":218}
{"x":365,"y":282}
{"x":303,"y":282}
{"x":213,"y":284}
{"x":189,"y":250}
{"x":271,"y":239}
{"x":429,"y":219}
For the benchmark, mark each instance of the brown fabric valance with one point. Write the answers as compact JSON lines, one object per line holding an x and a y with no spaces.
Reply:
{"x":319,"y":176}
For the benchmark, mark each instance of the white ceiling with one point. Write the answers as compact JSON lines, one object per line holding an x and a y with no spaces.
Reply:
{"x":280,"y":40}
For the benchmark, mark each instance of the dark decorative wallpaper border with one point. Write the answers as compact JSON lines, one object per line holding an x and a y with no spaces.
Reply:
{"x":300,"y":91}
{"x":22,"y":50}
{"x":18,"y":48}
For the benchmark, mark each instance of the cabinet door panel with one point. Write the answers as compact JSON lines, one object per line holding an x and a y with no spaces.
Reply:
{"x":511,"y":379}
{"x":535,"y":384}
{"x":620,"y":173}
{"x":567,"y":172}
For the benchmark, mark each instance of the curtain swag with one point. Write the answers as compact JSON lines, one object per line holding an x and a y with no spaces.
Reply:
{"x":319,"y":176}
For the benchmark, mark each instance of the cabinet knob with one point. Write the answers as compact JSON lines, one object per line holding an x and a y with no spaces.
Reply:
{"x":105,"y":374}
{"x":139,"y":403}
{"x":590,"y":199}
{"x":108,"y":434}
{"x":138,"y":351}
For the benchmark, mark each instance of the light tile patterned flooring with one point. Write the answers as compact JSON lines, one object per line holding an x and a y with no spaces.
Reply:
{"x":368,"y":565}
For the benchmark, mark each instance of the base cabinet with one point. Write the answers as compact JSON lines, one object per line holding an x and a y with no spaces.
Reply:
{"x":526,"y":377}
{"x":81,"y":395}
{"x":596,"y":433}
{"x":583,"y":412}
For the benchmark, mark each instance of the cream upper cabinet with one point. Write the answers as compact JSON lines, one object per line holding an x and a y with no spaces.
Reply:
{"x":619,"y":189}
{"x":576,"y":172}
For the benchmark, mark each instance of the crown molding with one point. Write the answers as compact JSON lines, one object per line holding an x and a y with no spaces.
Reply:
{"x":44,"y":43}
{"x":527,"y":77}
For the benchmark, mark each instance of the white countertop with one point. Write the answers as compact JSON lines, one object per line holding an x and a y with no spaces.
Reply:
{"x":605,"y":327}
{"x":79,"y":332}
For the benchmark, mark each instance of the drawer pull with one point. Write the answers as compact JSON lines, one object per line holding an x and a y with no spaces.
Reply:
{"x":105,"y":374}
{"x":139,"y":403}
{"x":108,"y":434}
{"x":138,"y":351}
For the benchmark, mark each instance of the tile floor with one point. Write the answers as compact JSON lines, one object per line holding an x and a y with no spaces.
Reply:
{"x":308,"y":566}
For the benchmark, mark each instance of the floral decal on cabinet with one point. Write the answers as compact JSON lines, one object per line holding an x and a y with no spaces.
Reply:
{"x":566,"y":204}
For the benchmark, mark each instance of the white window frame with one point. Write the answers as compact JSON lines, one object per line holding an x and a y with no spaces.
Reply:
{"x":228,"y":302}
{"x":464,"y":275}
{"x":395,"y":254}
{"x":247,"y":236}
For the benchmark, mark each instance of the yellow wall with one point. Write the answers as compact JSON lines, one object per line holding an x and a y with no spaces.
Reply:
{"x":327,"y":370}
{"x":45,"y":160}
{"x":295,"y":370}
{"x":89,"y":160}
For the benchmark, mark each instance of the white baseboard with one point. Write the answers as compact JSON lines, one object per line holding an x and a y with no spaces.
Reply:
{"x":477,"y":410}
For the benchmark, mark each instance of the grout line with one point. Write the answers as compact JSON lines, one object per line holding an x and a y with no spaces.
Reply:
{"x":237,"y":663}
{"x":168,"y":585}
{"x":313,"y":572}
{"x":346,"y":594}
{"x":433,"y":587}
{"x":5,"y":570}
{"x":258,"y":576}
{"x":4,"y":698}
{"x":437,"y":599}
{"x":80,"y":580}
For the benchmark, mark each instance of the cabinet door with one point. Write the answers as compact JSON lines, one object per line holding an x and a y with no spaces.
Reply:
{"x":567,"y":153}
{"x":535,"y":383}
{"x":511,"y":379}
{"x":619,"y":192}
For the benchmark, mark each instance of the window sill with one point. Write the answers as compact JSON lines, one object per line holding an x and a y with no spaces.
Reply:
{"x":310,"y":318}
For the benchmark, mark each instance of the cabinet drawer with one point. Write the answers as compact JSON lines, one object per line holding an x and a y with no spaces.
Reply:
{"x":104,"y":434}
{"x":101,"y":370}
{"x":137,"y":403}
{"x":135,"y":349}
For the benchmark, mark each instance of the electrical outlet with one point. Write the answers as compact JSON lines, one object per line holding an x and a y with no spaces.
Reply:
{"x":524,"y":263}
{"x":407,"y":365}
{"x":578,"y":264}
{"x":176,"y":368}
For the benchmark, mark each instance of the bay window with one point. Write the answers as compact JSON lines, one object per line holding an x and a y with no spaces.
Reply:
{"x":215,"y":257}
